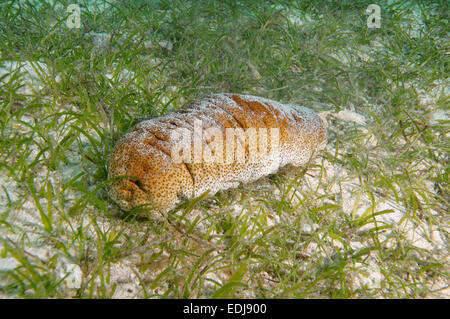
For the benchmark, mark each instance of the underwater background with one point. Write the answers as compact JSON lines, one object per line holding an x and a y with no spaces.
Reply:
{"x":368,"y":218}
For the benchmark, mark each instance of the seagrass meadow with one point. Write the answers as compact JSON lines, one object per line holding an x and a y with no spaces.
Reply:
{"x":366,"y":218}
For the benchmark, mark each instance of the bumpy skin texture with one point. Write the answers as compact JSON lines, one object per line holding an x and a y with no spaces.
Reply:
{"x":143,"y":157}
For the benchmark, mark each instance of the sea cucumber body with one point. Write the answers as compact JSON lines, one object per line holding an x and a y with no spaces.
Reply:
{"x":147,"y":172}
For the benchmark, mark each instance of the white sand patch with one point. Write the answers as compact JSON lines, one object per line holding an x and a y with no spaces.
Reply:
{"x":295,"y":16}
{"x":122,"y":274}
{"x":273,"y":220}
{"x":343,"y":56}
{"x":356,"y":245}
{"x":350,"y":116}
{"x":100,"y":39}
{"x":438,"y":117}
{"x":27,"y":224}
{"x":309,"y":228}
{"x":212,"y":283}
{"x":121,"y":75}
{"x":312,"y":249}
{"x":151,"y":44}
{"x":8,"y":263}
{"x":34,"y":75}
{"x":39,"y":252}
{"x":441,"y":287}
{"x":72,"y":274}
{"x":367,"y":276}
